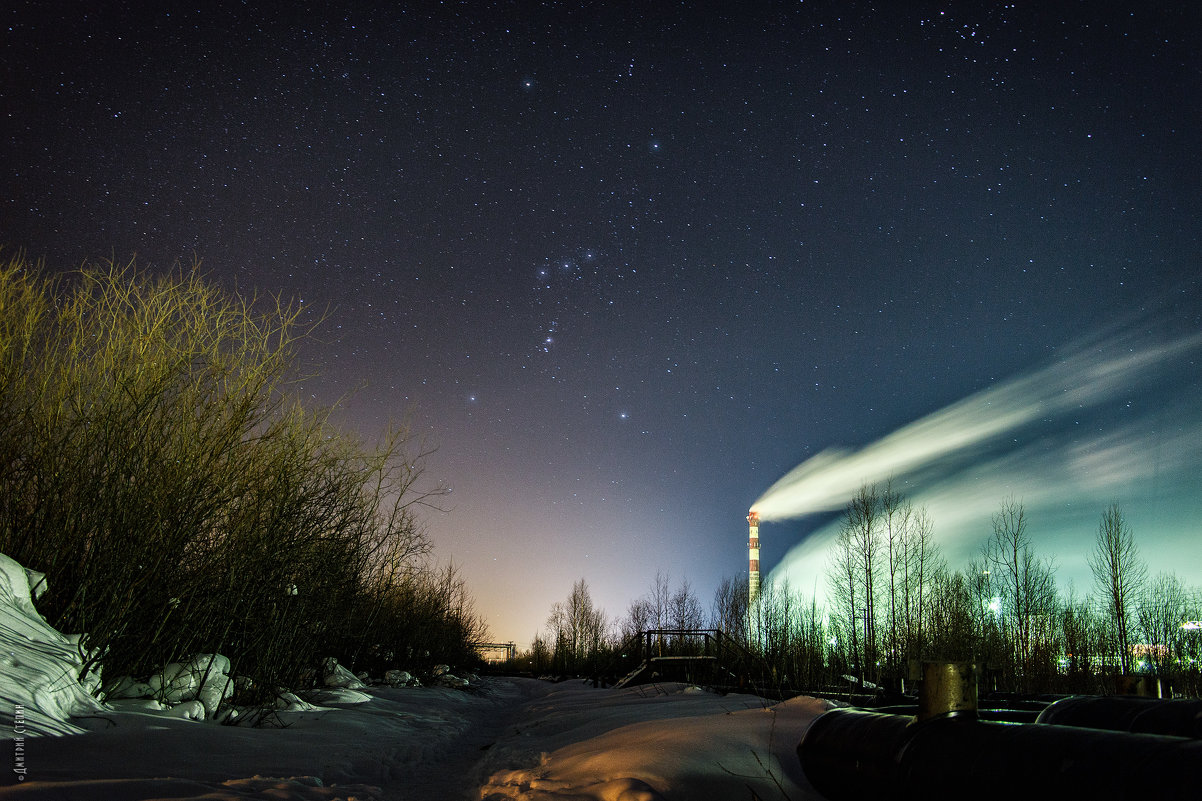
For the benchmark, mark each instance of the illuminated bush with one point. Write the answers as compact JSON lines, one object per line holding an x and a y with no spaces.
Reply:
{"x":179,"y":500}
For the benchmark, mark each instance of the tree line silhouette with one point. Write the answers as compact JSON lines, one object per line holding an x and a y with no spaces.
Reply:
{"x":893,"y":602}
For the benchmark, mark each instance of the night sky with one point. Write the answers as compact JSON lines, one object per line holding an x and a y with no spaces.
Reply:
{"x":626,"y":265}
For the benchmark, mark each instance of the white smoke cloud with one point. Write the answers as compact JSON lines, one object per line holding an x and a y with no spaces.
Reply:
{"x":1060,"y":438}
{"x":1085,"y":378}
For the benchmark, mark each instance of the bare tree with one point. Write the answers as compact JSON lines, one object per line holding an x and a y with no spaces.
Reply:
{"x":1081,"y":642}
{"x":578,"y":629}
{"x":809,"y":644}
{"x":684,"y":609}
{"x":985,"y":639}
{"x":540,"y":656}
{"x":1027,"y":589}
{"x":841,"y":577}
{"x":638,"y":619}
{"x":897,"y":513}
{"x":1119,"y":575}
{"x":864,"y":523}
{"x":775,"y":612}
{"x":909,"y":558}
{"x":660,"y":599}
{"x":954,"y":615}
{"x":664,"y":609}
{"x":729,"y":611}
{"x":853,"y":574}
{"x":1164,"y":606}
{"x":922,"y":560}
{"x":157,"y":457}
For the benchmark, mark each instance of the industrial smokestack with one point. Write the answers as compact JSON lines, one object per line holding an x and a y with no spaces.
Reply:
{"x":753,"y":557}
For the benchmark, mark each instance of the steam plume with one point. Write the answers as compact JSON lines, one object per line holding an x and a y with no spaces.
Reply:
{"x":1089,"y":375}
{"x":1116,"y":418}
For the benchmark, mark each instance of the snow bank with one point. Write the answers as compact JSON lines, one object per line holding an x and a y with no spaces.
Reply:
{"x":512,"y":739}
{"x":336,"y":695}
{"x":335,"y":675}
{"x":416,"y":743}
{"x":690,"y":749}
{"x":39,"y":691}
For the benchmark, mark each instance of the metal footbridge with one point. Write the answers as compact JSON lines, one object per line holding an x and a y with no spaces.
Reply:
{"x":698,"y":656}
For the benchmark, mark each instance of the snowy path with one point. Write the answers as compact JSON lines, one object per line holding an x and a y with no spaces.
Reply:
{"x":458,"y":765}
{"x":517,"y":738}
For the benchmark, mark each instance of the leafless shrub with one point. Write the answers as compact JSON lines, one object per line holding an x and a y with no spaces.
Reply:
{"x":157,"y":468}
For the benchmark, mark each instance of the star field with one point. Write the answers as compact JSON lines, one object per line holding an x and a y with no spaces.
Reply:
{"x":625,"y":267}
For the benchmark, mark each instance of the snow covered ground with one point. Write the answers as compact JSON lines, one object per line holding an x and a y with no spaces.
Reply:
{"x":658,"y":741}
{"x":513,"y":738}
{"x":503,"y":738}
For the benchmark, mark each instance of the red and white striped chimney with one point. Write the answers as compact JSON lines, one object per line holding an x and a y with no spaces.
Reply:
{"x":753,"y":556}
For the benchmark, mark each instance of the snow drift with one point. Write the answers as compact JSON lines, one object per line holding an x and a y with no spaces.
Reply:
{"x":39,"y":691}
{"x":659,"y":742}
{"x":505,"y":739}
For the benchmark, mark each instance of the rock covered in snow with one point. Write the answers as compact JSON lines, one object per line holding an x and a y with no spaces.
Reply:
{"x":39,"y":689}
{"x":443,"y":677}
{"x":335,"y":675}
{"x":204,"y":678}
{"x":398,"y":678}
{"x":188,"y":710}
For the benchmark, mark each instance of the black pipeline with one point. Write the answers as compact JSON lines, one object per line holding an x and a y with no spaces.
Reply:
{"x":948,"y":752}
{"x":1181,"y":718}
{"x":850,"y":754}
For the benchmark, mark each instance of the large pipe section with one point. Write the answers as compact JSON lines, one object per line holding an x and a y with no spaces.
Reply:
{"x":1181,"y":718}
{"x":753,"y":557}
{"x":851,"y":754}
